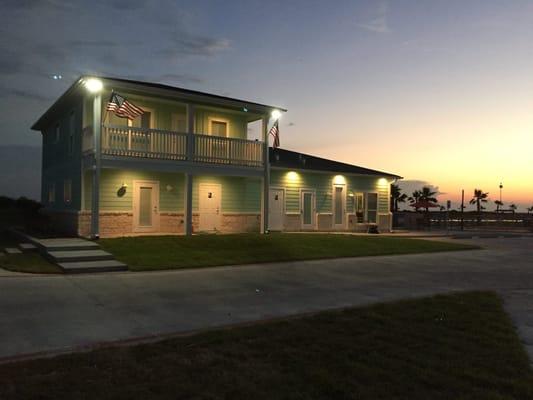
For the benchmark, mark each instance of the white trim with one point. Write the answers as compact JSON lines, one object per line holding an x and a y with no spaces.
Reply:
{"x":219,"y":210}
{"x":218,"y":119}
{"x":155,"y":205}
{"x":284,"y":205}
{"x":344,"y":222}
{"x":313,"y":223}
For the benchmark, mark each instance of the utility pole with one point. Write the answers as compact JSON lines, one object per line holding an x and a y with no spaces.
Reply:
{"x":462,"y":209}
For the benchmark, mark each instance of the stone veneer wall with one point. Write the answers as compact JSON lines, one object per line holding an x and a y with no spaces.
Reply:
{"x":292,"y":222}
{"x":235,"y":223}
{"x":324,"y":222}
{"x":385,"y":222}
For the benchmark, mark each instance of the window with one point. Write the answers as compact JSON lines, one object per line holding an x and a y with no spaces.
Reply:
{"x":71,"y":134}
{"x":57,"y":133}
{"x":67,"y":191}
{"x":219,"y":128}
{"x":371,"y":207}
{"x":359,"y":207}
{"x":142,"y":121}
{"x":179,"y":122}
{"x":51,"y":193}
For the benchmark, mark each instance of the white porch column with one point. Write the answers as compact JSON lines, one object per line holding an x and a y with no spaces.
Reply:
{"x":97,"y":134}
{"x":266,"y":178}
{"x":188,"y":176}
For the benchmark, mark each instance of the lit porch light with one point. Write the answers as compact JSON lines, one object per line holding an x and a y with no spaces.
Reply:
{"x":93,"y":85}
{"x":339,"y":180}
{"x":276,"y":114}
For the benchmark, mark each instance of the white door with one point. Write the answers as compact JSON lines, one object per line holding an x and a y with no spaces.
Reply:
{"x":276,"y":209}
{"x":145,"y":206}
{"x":209,"y":207}
{"x":339,"y":212}
{"x":307,"y":201}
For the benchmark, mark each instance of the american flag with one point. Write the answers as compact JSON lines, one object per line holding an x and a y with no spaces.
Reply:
{"x":274,"y":131}
{"x":122,"y":107}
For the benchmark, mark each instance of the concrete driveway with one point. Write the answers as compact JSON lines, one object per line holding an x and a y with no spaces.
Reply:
{"x":56,"y":313}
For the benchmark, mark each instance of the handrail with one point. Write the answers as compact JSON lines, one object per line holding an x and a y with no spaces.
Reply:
{"x":128,"y":141}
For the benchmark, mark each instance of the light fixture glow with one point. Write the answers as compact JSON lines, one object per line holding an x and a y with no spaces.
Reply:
{"x":276,"y":114}
{"x":382,"y":182}
{"x":93,"y":85}
{"x":292,"y":176}
{"x":339,"y":180}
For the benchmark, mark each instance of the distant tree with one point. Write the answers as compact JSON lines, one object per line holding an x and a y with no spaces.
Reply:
{"x":529,"y":210}
{"x":513,"y":207}
{"x":499,"y":204}
{"x":397,"y":197}
{"x":478,"y":199}
{"x":427,"y":195}
{"x":415,"y":197}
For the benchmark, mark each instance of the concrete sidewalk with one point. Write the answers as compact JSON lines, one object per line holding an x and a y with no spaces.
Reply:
{"x":48,"y":313}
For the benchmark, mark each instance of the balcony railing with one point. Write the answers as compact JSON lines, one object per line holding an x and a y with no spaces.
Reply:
{"x":169,"y":145}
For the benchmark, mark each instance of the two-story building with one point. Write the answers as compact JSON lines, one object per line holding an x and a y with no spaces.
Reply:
{"x":187,"y":164}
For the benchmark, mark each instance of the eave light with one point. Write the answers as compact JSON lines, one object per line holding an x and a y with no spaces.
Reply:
{"x":276,"y":114}
{"x":93,"y":85}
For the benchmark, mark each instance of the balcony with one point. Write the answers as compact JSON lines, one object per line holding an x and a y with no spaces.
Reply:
{"x":159,"y":144}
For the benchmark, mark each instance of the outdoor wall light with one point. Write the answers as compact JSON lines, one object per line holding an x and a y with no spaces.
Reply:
{"x":339,"y":180}
{"x":350,"y":194}
{"x":124,"y":185}
{"x":276,"y":114}
{"x":169,"y":188}
{"x":382,"y":182}
{"x":292,"y":176}
{"x":93,"y":85}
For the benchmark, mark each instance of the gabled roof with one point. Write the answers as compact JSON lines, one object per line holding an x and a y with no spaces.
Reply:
{"x":156,"y":89}
{"x":281,"y":158}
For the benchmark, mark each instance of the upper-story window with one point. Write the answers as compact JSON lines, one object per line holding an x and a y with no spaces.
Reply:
{"x":57,"y":133}
{"x":71,"y":128}
{"x":179,"y":122}
{"x":144,"y":120}
{"x":218,"y":127}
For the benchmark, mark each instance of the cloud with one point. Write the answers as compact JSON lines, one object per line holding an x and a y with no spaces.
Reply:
{"x":408,"y":186}
{"x":378,"y":21}
{"x":24,"y":94}
{"x":185,"y":43}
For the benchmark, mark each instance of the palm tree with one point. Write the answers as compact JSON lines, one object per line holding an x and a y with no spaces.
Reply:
{"x":396,"y":197}
{"x":513,"y":207}
{"x":415,"y":197}
{"x":427,"y":195}
{"x":498,"y":205}
{"x":529,"y":209}
{"x":479,"y":198}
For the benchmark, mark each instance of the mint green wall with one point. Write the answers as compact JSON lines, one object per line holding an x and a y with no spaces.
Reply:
{"x":58,"y":164}
{"x":163,"y":111}
{"x":293,"y":181}
{"x":239,"y":194}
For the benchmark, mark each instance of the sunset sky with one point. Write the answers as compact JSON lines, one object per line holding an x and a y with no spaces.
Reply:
{"x":436,"y":91}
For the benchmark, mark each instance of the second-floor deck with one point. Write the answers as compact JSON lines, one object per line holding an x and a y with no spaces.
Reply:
{"x":124,"y":141}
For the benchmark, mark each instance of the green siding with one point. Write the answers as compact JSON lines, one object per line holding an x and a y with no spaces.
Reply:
{"x":239,"y":195}
{"x":163,"y":111}
{"x":293,"y":181}
{"x":58,"y":164}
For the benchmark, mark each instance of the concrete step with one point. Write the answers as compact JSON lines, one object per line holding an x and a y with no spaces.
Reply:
{"x":65,"y":244}
{"x":79,"y":255}
{"x":25,"y":247}
{"x":12,"y":250}
{"x":92,"y":266}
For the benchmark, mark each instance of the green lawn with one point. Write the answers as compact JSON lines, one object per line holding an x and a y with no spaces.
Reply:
{"x":25,"y":262}
{"x":166,"y":252}
{"x":459,"y":346}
